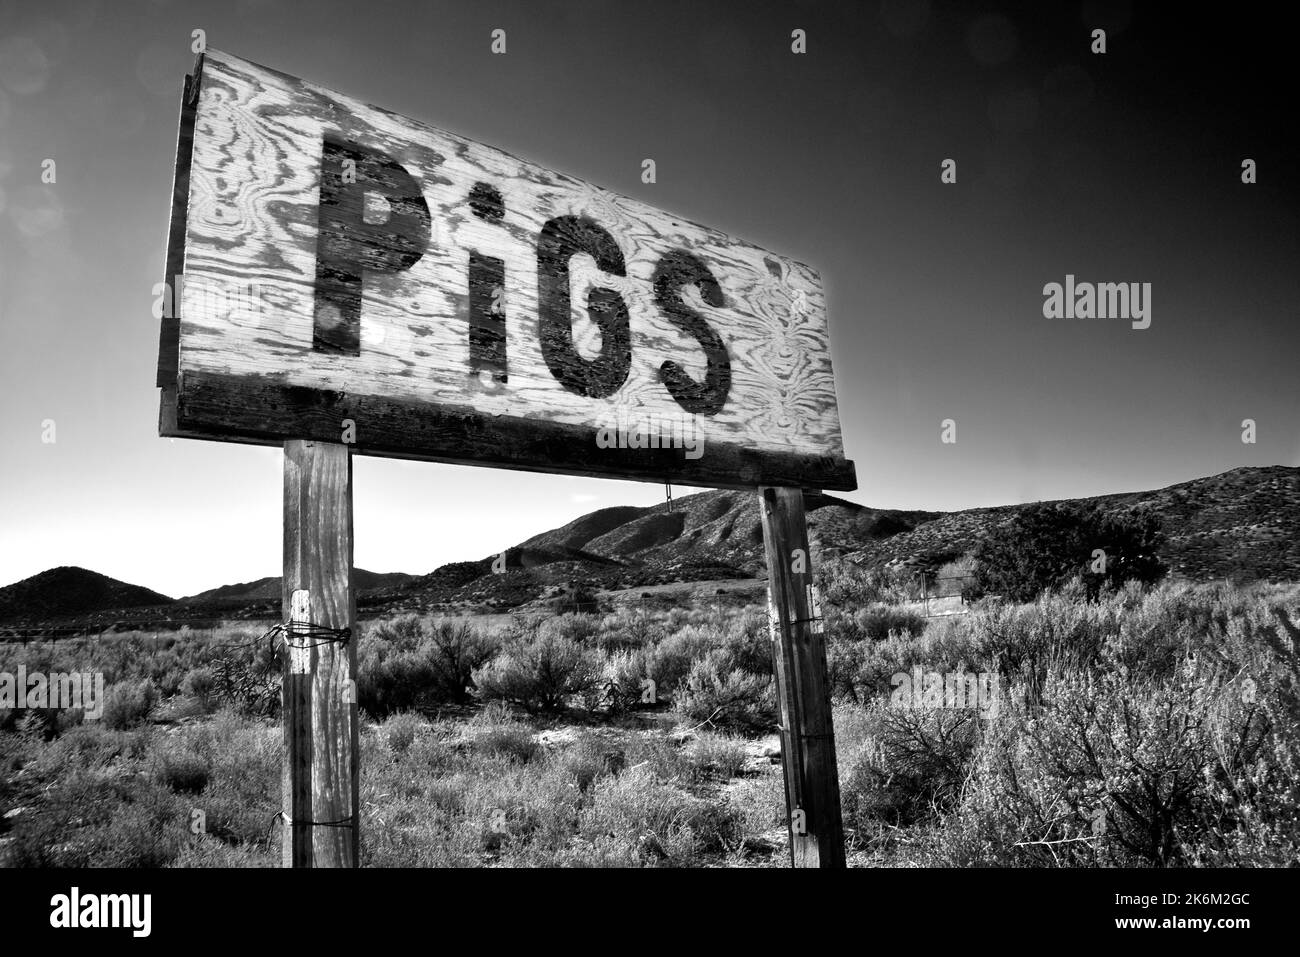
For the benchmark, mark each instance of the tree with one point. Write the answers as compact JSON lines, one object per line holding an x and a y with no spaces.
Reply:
{"x":1130,"y":543}
{"x":1047,"y":543}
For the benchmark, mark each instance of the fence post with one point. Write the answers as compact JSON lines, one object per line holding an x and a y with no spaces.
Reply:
{"x":321,"y":736}
{"x":812,"y":788}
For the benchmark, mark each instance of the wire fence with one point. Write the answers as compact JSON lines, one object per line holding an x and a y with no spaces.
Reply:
{"x":55,"y":633}
{"x":927,"y":580}
{"x":646,"y":600}
{"x":24,"y":634}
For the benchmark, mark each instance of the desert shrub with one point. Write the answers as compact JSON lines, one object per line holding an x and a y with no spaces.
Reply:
{"x":246,"y":672}
{"x":864,"y":648}
{"x":417,"y":834}
{"x":527,"y":816}
{"x":126,"y":797}
{"x":166,"y":670}
{"x":1026,"y":642}
{"x":717,"y":693}
{"x":389,"y":681}
{"x":97,"y":820}
{"x":400,"y":731}
{"x":882,"y":526}
{"x":494,"y":731}
{"x":1148,"y":631}
{"x":209,"y":852}
{"x":455,"y":648}
{"x":589,"y":758}
{"x":243,"y":755}
{"x":1047,"y":543}
{"x":628,"y":629}
{"x":405,"y":663}
{"x":94,"y":746}
{"x":720,"y":754}
{"x":33,"y":724}
{"x":182,"y":772}
{"x":488,"y":794}
{"x":657,"y":754}
{"x":758,"y":805}
{"x":877,"y":622}
{"x":747,"y":639}
{"x":844,"y":586}
{"x":579,"y":628}
{"x":670,"y":661}
{"x":128,"y":703}
{"x":623,"y":681}
{"x":401,"y":631}
{"x":676,"y":618}
{"x":908,"y":766}
{"x":845,"y":663}
{"x":539,"y":673}
{"x":1154,"y":631}
{"x":200,"y":684}
{"x":581,"y":600}
{"x":953,"y":576}
{"x":1140,"y":762}
{"x":654,"y":822}
{"x":860,"y":669}
{"x":1009,"y":640}
{"x":391,"y":673}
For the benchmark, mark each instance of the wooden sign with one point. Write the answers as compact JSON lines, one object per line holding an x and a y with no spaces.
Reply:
{"x":339,"y":273}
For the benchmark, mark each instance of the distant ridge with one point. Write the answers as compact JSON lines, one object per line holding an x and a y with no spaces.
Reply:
{"x":1242,"y":525}
{"x":69,"y":590}
{"x":74,"y":595}
{"x":264,"y":588}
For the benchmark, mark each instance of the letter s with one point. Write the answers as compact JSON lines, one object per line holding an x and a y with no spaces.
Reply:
{"x":675,"y":271}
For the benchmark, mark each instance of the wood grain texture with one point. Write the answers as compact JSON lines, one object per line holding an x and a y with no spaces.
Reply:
{"x":803,"y":688}
{"x":320,"y":717}
{"x":250,"y":300}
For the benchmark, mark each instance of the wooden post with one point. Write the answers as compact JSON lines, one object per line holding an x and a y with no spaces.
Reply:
{"x":321,"y":744}
{"x":812,"y":787}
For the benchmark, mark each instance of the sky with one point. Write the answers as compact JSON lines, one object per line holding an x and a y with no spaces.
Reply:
{"x":1123,"y":166}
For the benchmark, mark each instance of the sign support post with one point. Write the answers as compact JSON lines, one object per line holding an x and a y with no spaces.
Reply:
{"x":812,"y":789}
{"x":321,"y":734}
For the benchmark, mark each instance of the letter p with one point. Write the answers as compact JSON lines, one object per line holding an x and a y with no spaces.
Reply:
{"x":350,"y":243}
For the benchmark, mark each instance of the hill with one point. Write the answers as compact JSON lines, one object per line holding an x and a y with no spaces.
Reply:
{"x":705,"y":537}
{"x":77,"y":598}
{"x":269,"y":588}
{"x":71,"y":591}
{"x":1242,"y":525}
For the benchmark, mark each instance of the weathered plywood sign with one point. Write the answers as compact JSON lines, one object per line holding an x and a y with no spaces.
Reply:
{"x":351,"y":275}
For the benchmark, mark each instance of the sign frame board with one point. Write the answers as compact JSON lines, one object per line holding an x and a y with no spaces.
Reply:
{"x":336,"y":272}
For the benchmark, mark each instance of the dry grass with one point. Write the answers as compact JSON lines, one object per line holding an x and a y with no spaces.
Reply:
{"x":1097,"y":695}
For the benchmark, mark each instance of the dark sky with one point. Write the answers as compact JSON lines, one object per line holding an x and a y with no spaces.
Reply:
{"x":1122,"y":167}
